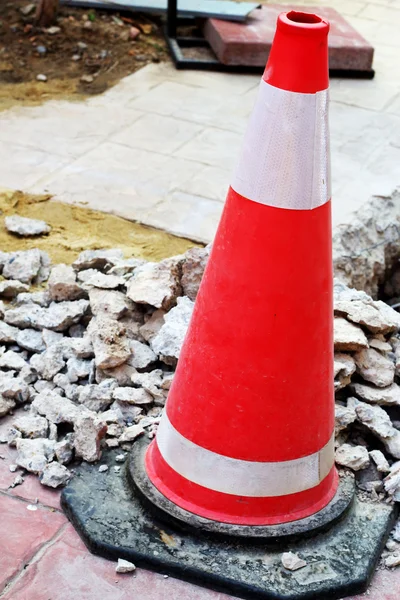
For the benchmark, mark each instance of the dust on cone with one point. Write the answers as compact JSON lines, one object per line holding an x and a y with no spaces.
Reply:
{"x":247,"y":435}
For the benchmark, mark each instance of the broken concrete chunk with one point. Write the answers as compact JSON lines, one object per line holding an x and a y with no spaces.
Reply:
{"x":89,"y":431}
{"x":64,"y":449}
{"x":41,"y":298}
{"x":374,"y":367}
{"x":97,"y":259}
{"x":78,"y":368}
{"x":353,"y":457}
{"x":344,"y":416}
{"x":23,"y":265}
{"x":124,"y":566}
{"x":111,"y":347}
{"x":348,"y":337}
{"x":14,"y":387}
{"x":60,"y":316}
{"x":378,"y":421}
{"x":380,"y":461}
{"x":343,"y":368}
{"x":142,"y":355}
{"x":96,"y":397}
{"x":156,"y":284}
{"x":31,"y":340}
{"x":131,"y":395}
{"x":10,"y":288}
{"x":292,"y":561}
{"x":8,"y":334}
{"x":192,"y":270}
{"x":152,"y":325}
{"x":6,"y":406}
{"x":33,"y":455}
{"x":122,"y":374}
{"x":55,"y":475}
{"x":12,"y":360}
{"x":62,"y":284}
{"x":108,"y":302}
{"x":131,"y":433}
{"x":57,"y":317}
{"x":26,"y":227}
{"x":32,"y":426}
{"x":387,"y":396}
{"x":376,"y":316}
{"x":379,"y":343}
{"x":49,"y":363}
{"x":151,"y":382}
{"x":392,"y":485}
{"x":103,"y":281}
{"x":56,"y":408}
{"x":168,"y":342}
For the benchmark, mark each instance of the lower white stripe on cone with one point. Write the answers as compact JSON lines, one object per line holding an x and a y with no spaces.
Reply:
{"x":285,"y":153}
{"x":241,"y":477}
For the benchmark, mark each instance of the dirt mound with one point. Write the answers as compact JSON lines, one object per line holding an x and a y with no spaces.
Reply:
{"x":75,"y":229}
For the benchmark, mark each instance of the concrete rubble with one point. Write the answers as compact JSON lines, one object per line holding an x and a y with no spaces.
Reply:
{"x":91,"y":358}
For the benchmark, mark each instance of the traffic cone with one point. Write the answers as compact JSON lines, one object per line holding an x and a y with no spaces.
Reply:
{"x":247,"y":436}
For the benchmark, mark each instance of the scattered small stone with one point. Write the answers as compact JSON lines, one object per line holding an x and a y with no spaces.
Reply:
{"x":26,"y":227}
{"x":117,"y":469}
{"x":53,"y":30}
{"x":393,"y":560}
{"x":41,"y":77}
{"x":31,"y":507}
{"x":87,"y":78}
{"x":134,"y":32}
{"x":120,"y":458}
{"x":103,"y":468}
{"x":19,"y":480}
{"x":124,"y":566}
{"x":292,"y":561}
{"x":13,"y":468}
{"x":27,"y":9}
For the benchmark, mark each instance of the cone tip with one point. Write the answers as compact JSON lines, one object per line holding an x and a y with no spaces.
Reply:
{"x":303,"y":23}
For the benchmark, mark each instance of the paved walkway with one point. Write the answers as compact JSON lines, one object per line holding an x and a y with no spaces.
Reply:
{"x":42,"y":557}
{"x":160,"y":146}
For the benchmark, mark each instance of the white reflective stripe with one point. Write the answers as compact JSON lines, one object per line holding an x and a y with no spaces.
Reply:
{"x":285,"y":155}
{"x":241,"y":477}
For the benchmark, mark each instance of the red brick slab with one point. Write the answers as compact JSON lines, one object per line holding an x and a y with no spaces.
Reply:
{"x":22,"y":534}
{"x":68,"y":572}
{"x":248,"y":44}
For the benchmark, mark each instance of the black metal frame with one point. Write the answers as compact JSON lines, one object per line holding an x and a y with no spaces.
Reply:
{"x":176,"y":43}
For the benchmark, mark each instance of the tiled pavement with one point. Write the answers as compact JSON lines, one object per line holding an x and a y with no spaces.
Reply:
{"x":42,"y":557}
{"x":160,"y":146}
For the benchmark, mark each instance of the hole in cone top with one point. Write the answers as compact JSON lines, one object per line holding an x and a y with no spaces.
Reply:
{"x":301,"y":17}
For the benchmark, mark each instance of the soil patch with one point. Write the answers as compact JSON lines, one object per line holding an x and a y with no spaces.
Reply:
{"x":75,"y":229}
{"x":88,"y":53}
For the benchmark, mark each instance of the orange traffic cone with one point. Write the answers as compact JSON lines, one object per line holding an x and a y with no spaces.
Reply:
{"x":247,"y":434}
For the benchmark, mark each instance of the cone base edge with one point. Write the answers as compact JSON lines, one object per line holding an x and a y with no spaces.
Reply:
{"x":335,"y":509}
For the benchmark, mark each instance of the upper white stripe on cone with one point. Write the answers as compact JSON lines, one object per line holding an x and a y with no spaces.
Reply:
{"x":241,"y":477}
{"x":285,"y":155}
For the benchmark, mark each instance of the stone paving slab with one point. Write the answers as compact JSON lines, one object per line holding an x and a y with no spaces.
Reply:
{"x":249,"y":43}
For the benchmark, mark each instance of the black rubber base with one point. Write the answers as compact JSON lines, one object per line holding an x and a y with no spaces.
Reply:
{"x":165,"y":509}
{"x":114,"y":523}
